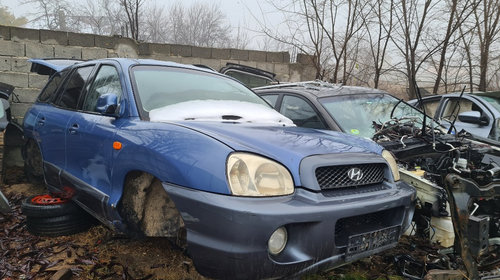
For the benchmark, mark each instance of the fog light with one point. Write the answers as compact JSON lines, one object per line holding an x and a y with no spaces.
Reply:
{"x":277,"y":241}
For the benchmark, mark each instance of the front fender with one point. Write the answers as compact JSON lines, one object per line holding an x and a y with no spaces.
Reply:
{"x":171,"y":153}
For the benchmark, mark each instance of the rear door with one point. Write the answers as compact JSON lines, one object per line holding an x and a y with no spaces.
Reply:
{"x":52,"y":121}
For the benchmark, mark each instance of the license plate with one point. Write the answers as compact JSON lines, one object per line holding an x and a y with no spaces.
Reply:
{"x":365,"y":242}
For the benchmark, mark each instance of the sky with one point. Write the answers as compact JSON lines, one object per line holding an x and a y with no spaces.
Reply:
{"x":238,"y":12}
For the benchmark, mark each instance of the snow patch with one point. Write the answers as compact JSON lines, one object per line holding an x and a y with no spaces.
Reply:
{"x":219,"y":110}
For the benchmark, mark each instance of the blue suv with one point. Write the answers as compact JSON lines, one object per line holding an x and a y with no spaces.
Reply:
{"x":169,"y":150}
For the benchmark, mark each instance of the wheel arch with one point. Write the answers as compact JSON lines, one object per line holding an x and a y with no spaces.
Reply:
{"x":146,"y":208}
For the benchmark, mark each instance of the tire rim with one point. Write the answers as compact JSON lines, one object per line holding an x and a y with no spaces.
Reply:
{"x":47,"y":199}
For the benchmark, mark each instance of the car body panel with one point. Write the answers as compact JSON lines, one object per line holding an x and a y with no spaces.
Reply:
{"x":88,"y":156}
{"x":306,"y":215}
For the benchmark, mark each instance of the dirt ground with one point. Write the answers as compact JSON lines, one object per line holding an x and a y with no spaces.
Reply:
{"x":101,"y":254}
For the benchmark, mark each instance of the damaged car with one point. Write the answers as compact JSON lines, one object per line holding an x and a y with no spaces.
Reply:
{"x":457,"y":175}
{"x":477,"y":113}
{"x":161,"y":149}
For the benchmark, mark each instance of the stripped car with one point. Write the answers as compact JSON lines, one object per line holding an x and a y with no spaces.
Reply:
{"x":162,"y":149}
{"x":457,"y":176}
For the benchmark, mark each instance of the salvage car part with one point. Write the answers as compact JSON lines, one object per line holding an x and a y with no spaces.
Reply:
{"x":181,"y":152}
{"x":49,"y":215}
{"x":425,"y":154}
{"x":47,"y":205}
{"x":59,"y":225}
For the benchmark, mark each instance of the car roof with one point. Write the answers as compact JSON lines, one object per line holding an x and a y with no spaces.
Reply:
{"x":318,"y":89}
{"x":49,"y":66}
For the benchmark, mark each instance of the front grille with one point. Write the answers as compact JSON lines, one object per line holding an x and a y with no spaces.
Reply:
{"x":331,"y":177}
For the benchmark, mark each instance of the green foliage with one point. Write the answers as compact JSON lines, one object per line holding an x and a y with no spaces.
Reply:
{"x":7,"y":18}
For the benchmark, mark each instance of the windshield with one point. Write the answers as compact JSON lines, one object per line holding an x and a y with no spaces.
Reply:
{"x":160,"y":86}
{"x":355,"y":113}
{"x":171,"y":94}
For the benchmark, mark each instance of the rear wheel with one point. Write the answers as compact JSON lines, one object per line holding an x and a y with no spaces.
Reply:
{"x":33,"y":163}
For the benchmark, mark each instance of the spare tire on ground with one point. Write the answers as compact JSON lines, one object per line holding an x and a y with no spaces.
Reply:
{"x":49,"y":215}
{"x":46,"y":205}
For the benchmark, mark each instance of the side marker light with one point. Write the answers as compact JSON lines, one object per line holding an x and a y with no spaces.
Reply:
{"x":117,"y":145}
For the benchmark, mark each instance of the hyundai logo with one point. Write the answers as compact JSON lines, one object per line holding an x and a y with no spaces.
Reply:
{"x":355,"y":174}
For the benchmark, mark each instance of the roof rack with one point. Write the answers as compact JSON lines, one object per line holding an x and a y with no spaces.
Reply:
{"x":315,"y":85}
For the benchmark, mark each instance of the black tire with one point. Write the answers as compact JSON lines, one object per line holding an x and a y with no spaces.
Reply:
{"x":33,"y":163}
{"x":59,"y":226}
{"x":47,"y":211}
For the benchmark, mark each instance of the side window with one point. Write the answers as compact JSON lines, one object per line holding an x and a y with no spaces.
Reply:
{"x":300,"y":112}
{"x":106,"y":81}
{"x":430,"y":106}
{"x":271,"y":99}
{"x":454,"y":107}
{"x":49,"y":92}
{"x":74,"y":87}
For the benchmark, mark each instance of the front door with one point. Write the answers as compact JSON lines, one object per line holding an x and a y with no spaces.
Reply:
{"x":90,"y":138}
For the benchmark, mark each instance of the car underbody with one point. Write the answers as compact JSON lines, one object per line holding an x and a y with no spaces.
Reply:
{"x":457,"y":177}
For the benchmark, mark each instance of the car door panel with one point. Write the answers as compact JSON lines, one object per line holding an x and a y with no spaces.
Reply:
{"x":448,"y":111}
{"x":50,"y":126}
{"x":89,"y":142}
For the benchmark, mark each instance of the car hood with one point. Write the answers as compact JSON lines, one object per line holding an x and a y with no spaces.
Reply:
{"x":219,"y":110}
{"x":288,"y":145}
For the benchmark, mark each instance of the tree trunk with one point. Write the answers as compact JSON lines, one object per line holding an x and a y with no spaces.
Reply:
{"x":483,"y":66}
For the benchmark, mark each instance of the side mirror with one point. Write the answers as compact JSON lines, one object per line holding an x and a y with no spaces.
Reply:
{"x":107,"y":104}
{"x":473,"y":117}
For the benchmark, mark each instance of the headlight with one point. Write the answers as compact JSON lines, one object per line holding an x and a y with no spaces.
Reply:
{"x":252,"y":175}
{"x":392,"y":163}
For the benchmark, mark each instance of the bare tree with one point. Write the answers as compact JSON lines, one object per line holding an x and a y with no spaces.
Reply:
{"x":133,"y":11}
{"x":458,"y":12}
{"x":413,"y":21}
{"x":487,"y":15}
{"x":339,"y":41}
{"x":380,"y":18}
{"x":200,"y":24}
{"x":240,"y":39}
{"x":300,"y":31}
{"x":155,"y":25}
{"x":53,"y":15}
{"x":101,"y":17}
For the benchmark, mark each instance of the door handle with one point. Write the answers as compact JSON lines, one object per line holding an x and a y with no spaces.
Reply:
{"x":73,"y":129}
{"x":41,"y":121}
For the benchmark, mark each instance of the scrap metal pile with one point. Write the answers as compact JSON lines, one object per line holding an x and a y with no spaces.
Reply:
{"x":457,"y":177}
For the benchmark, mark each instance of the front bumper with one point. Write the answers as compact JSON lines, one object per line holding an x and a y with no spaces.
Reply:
{"x":227,"y":236}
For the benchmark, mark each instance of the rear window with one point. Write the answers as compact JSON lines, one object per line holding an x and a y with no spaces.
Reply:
{"x":48,"y":93}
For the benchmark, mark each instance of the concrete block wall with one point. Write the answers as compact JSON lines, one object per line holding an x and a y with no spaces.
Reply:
{"x":17,"y":45}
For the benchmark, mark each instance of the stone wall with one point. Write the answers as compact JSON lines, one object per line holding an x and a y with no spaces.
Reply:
{"x":17,"y":45}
